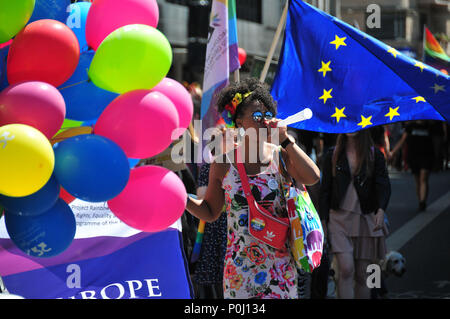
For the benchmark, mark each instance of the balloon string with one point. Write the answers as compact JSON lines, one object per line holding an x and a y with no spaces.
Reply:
{"x":74,"y":84}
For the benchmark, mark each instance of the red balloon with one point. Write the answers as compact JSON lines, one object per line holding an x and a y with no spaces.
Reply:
{"x":45,"y":50}
{"x":65,"y":196}
{"x":242,"y":56}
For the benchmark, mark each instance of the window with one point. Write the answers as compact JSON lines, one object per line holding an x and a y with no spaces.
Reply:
{"x":250,"y":10}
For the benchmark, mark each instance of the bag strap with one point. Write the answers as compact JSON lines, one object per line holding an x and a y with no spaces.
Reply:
{"x":243,"y":176}
{"x":293,"y":181}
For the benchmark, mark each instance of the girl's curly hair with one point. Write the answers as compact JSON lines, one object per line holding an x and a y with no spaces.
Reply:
{"x":260,"y":92}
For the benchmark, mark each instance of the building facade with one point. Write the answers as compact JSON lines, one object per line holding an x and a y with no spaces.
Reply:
{"x":398,"y":23}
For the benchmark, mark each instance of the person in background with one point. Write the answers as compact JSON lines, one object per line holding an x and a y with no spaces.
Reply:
{"x":253,"y":269}
{"x":326,"y":141}
{"x":418,"y":138}
{"x":380,"y":139}
{"x":395,"y":132}
{"x":354,"y":194}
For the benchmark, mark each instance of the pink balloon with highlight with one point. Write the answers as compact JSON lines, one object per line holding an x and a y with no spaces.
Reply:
{"x":182,"y":100}
{"x":153,"y":199}
{"x":34,"y":103}
{"x":105,"y":16}
{"x":141,"y":122}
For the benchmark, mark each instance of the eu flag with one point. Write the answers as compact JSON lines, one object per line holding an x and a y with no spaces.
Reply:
{"x":349,"y":79}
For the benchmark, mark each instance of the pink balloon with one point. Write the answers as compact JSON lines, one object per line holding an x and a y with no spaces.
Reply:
{"x":153,"y":199}
{"x":180,"y":97}
{"x":37,"y":104}
{"x":141,"y":122}
{"x":105,"y":16}
{"x":5,"y":44}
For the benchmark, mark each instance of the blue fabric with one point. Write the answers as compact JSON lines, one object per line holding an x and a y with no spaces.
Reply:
{"x":368,"y":80}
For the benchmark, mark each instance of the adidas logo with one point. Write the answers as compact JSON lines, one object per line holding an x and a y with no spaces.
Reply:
{"x":269,"y":235}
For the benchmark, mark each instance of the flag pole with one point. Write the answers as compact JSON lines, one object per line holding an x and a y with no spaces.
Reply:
{"x":236,"y":76}
{"x":424,"y":36}
{"x":276,"y":37}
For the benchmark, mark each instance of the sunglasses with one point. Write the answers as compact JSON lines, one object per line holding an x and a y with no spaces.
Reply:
{"x":258,"y":116}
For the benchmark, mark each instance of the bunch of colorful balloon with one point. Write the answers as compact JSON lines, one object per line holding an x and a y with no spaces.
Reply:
{"x":84,"y":95}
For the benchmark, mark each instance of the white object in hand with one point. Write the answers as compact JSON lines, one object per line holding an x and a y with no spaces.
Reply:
{"x":303,"y":115}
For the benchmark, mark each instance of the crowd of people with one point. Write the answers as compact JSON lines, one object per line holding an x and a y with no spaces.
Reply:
{"x":346,"y":176}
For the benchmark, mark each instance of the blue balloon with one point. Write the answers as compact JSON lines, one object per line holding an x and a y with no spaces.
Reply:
{"x":90,"y":122}
{"x":45,"y":235}
{"x":84,"y":100}
{"x":3,"y":75}
{"x":77,"y":22}
{"x":50,"y":9}
{"x":133,"y":162}
{"x":34,"y":204}
{"x":91,"y":167}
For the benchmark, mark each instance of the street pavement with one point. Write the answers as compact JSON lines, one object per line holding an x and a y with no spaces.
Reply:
{"x":423,"y":238}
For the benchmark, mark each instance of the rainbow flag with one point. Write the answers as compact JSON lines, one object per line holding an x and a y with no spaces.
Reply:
{"x":434,"y":55}
{"x":219,"y":63}
{"x":233,"y":37}
{"x":433,"y":48}
{"x":218,"y":66}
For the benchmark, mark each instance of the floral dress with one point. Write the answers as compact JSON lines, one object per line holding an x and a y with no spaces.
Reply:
{"x":252,"y":268}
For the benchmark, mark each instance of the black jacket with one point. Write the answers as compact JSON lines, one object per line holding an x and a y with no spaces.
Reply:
{"x":373,"y":191}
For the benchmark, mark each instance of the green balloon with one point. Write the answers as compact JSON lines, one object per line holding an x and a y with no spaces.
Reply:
{"x":132,"y":57}
{"x":14,"y":15}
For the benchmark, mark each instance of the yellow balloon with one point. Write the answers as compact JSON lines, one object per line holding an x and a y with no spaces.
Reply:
{"x":26,"y":160}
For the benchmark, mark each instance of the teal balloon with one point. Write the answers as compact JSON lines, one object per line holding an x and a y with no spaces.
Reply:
{"x":91,"y":167}
{"x":34,"y":204}
{"x":45,"y":235}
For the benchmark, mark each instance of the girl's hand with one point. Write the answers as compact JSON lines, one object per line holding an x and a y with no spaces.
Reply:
{"x":379,"y":220}
{"x":282,"y":130}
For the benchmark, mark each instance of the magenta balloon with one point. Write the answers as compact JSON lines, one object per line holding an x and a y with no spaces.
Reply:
{"x":141,"y":122}
{"x":105,"y":16}
{"x":153,"y":199}
{"x":180,"y":97}
{"x":37,"y":104}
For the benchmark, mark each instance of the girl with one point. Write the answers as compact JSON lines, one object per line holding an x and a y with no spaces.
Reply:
{"x":355,"y":192}
{"x":253,"y":269}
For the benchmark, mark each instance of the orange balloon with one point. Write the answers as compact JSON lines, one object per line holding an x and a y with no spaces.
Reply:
{"x":45,"y":50}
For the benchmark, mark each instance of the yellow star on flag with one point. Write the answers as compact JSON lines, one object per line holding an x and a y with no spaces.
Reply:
{"x":392,"y":113}
{"x":437,"y":88}
{"x":418,"y":99}
{"x":338,"y":41}
{"x":326,"y":95}
{"x":339,"y":113}
{"x":393,"y":52}
{"x":420,"y":65}
{"x":365,"y":121}
{"x":325,"y":68}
